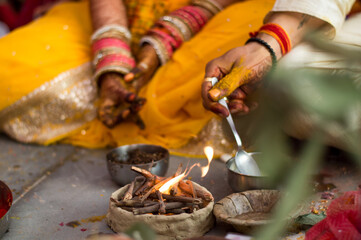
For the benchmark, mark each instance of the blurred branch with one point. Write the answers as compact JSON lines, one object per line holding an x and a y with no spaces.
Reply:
{"x":319,"y":42}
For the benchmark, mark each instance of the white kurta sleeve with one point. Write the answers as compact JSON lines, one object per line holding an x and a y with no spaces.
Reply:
{"x":331,"y":11}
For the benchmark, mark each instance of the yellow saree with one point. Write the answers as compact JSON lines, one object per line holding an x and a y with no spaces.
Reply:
{"x":46,"y":88}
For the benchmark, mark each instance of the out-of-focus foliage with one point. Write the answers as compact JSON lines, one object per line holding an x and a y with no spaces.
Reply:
{"x":332,"y":100}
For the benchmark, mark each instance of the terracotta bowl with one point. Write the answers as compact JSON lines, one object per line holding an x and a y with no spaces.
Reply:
{"x":173,"y":227}
{"x":6,"y":200}
{"x":248,"y":210}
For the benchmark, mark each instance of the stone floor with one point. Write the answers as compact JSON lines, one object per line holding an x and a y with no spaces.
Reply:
{"x":58,"y":184}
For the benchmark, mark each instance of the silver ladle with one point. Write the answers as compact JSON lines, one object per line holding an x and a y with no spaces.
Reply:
{"x":244,"y":161}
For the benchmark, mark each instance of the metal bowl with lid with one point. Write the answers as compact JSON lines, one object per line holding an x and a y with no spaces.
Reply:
{"x":6,"y":200}
{"x":120,"y":170}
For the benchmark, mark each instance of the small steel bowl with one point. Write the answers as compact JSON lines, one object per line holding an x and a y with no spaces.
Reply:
{"x":242,"y":182}
{"x":6,"y":200}
{"x":120,"y":170}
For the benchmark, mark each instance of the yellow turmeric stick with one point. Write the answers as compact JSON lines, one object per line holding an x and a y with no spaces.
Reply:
{"x":236,"y":78}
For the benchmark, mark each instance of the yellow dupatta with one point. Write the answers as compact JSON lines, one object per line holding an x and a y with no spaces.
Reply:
{"x":60,"y":42}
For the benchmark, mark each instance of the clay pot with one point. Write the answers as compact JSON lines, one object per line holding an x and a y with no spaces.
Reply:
{"x":248,"y":210}
{"x":173,"y":227}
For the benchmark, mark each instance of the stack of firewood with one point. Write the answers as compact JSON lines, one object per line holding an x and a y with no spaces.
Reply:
{"x":143,"y":195}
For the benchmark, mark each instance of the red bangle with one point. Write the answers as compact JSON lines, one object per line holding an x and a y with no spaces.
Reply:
{"x":173,"y":31}
{"x":164,"y":36}
{"x":198,"y":13}
{"x":109,"y":42}
{"x":277,"y":32}
{"x":191,"y":23}
{"x":116,"y":59}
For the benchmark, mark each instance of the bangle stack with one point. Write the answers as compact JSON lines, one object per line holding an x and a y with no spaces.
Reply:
{"x":278,"y":33}
{"x":170,"y":31}
{"x":111,"y":51}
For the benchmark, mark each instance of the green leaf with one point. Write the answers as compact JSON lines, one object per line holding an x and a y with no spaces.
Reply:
{"x":141,"y":231}
{"x":310,"y":218}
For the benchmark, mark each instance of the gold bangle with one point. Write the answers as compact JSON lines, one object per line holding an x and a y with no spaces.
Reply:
{"x":158,"y":47}
{"x":206,"y":5}
{"x":112,"y":27}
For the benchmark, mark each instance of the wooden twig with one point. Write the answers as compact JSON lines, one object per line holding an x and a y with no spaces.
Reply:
{"x":148,"y":184}
{"x":179,"y":170}
{"x":147,"y":174}
{"x":176,"y":211}
{"x":144,"y":172}
{"x":129,"y":193}
{"x":157,"y":186}
{"x":161,"y":202}
{"x":148,"y":209}
{"x":132,"y":203}
{"x":155,"y":208}
{"x":129,"y":209}
{"x":194,"y":194}
{"x":200,"y":192}
{"x":142,"y":181}
{"x":171,"y":198}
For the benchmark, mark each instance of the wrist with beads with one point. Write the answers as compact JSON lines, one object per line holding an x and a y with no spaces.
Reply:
{"x":111,"y":51}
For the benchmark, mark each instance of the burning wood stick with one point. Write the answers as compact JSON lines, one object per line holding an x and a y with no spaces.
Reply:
{"x":157,"y":186}
{"x":174,"y":190}
{"x":194,"y":194}
{"x":179,"y":170}
{"x":171,"y":198}
{"x":147,"y":174}
{"x":200,"y":193}
{"x":161,"y":202}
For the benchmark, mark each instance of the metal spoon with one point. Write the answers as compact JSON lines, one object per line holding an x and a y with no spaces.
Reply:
{"x":244,"y":161}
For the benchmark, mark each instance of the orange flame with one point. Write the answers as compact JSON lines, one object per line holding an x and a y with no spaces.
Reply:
{"x":168,"y":185}
{"x":209,"y":154}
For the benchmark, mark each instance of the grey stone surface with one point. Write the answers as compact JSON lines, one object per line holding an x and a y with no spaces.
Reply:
{"x":60,"y":184}
{"x":70,"y":184}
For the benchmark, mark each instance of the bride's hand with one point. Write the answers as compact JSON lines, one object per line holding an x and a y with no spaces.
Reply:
{"x":148,"y":63}
{"x":118,"y":102}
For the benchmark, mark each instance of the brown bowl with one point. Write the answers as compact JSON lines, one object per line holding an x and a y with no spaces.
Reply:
{"x":248,"y":210}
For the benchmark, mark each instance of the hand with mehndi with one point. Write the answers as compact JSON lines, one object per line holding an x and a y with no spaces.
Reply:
{"x":147,"y":64}
{"x":118,"y":102}
{"x":240,"y":72}
{"x":241,"y":69}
